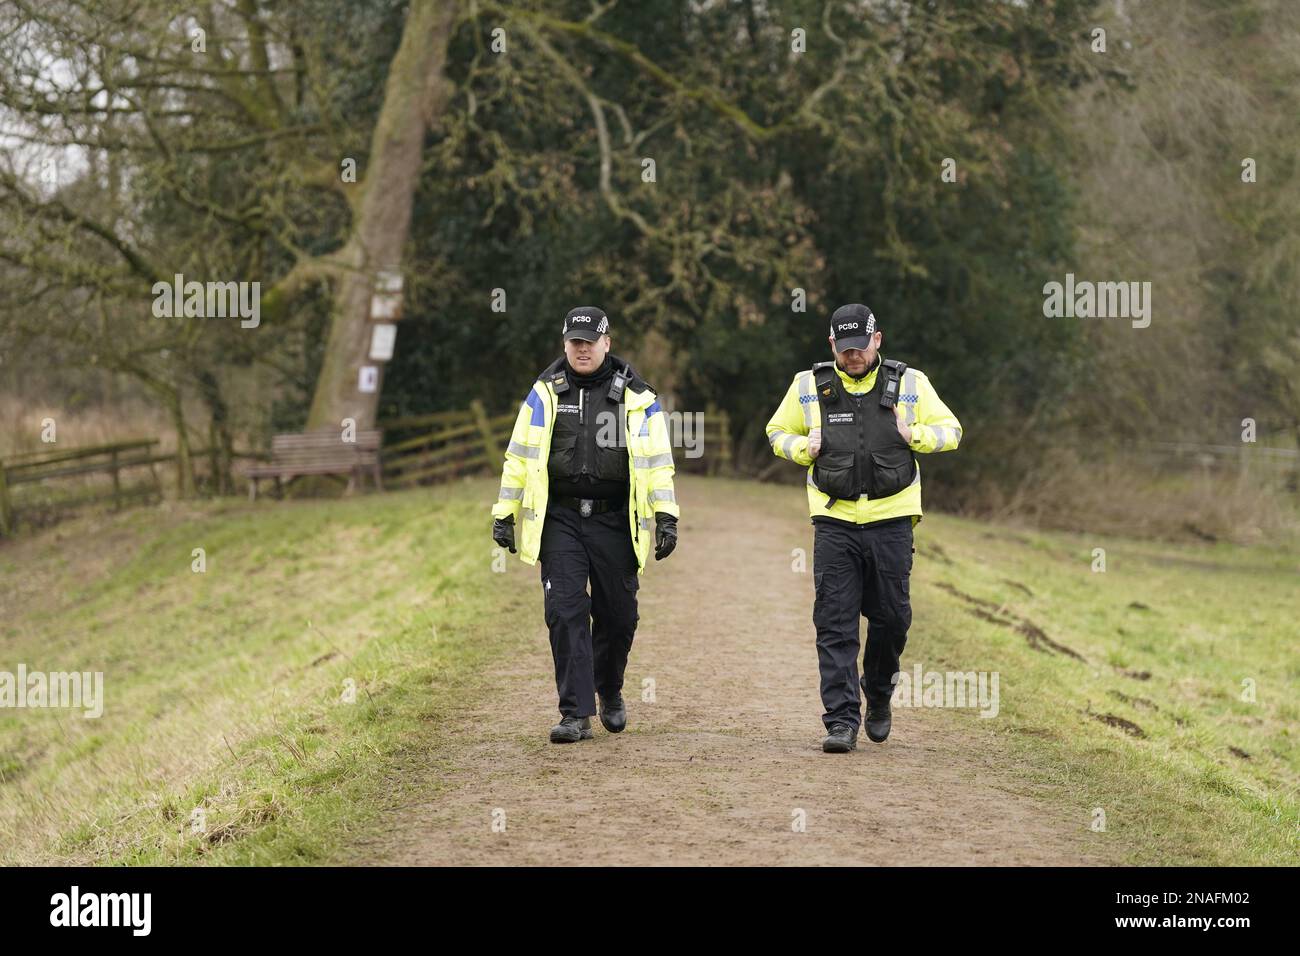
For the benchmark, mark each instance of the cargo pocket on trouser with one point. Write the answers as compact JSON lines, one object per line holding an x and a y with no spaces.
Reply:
{"x":891,"y":555}
{"x":896,"y":603}
{"x":889,"y":615}
{"x":837,"y":578}
{"x":837,"y":583}
{"x":632,"y":584}
{"x":888,"y":608}
{"x":613,"y":628}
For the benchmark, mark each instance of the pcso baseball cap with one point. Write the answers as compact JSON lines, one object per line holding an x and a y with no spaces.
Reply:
{"x":586,"y":322}
{"x":852,"y":327}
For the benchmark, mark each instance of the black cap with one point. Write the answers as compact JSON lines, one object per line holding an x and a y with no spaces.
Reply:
{"x":586,"y":322}
{"x":852,"y":327}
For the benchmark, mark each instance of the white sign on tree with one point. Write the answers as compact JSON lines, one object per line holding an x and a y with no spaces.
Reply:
{"x":382,"y":337}
{"x":386,"y":301}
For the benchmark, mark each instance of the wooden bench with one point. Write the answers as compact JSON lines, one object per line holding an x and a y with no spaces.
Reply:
{"x":319,"y":453}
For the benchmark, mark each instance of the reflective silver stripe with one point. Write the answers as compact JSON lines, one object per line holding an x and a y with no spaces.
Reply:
{"x":529,"y":514}
{"x":811,"y":483}
{"x":806,"y":388}
{"x":663,"y":494}
{"x":645,"y":524}
{"x":941,"y":434}
{"x":909,"y":388}
{"x":523,"y":451}
{"x":654,"y":461}
{"x":787,"y":446}
{"x":510,"y":494}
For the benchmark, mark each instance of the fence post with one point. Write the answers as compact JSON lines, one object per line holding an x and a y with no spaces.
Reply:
{"x":153,"y":470}
{"x":6,"y":509}
{"x":481,"y":419}
{"x":718,"y":429}
{"x":117,"y":483}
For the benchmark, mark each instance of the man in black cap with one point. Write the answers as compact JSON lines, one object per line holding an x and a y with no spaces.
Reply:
{"x":857,"y":423}
{"x":588,"y":465}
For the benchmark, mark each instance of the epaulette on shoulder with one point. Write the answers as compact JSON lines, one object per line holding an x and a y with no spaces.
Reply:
{"x":823,"y":374}
{"x":638,"y":384}
{"x":554,"y":374}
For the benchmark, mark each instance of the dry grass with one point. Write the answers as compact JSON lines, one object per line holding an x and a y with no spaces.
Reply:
{"x":1135,"y":496}
{"x":23,"y":425}
{"x":22,"y":422}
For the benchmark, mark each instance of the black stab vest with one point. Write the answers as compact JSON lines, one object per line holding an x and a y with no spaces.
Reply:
{"x":862,"y":452}
{"x":589,"y":441}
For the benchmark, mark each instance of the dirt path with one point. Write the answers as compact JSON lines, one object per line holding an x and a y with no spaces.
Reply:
{"x":714,"y":770}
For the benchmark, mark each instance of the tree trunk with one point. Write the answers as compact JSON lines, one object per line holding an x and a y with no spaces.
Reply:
{"x":414,"y":97}
{"x":184,"y":461}
{"x":219,"y":438}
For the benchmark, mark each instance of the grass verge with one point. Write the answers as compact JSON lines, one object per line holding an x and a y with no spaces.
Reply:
{"x":227,"y":735}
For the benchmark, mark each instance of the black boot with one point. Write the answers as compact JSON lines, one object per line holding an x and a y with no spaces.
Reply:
{"x":613,"y":713}
{"x":879,"y":718}
{"x":571,"y":730}
{"x":841,"y":739}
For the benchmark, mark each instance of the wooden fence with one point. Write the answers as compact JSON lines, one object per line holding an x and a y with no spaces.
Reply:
{"x":714,"y":437}
{"x":417,"y":450}
{"x":1242,"y":456}
{"x":444,"y":445}
{"x":46,"y":468}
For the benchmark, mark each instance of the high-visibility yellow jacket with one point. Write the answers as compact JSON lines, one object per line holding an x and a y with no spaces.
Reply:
{"x":525,"y":482}
{"x":934,"y":428}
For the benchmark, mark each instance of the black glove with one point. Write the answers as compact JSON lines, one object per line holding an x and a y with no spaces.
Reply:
{"x":503,"y":532}
{"x":665,"y":535}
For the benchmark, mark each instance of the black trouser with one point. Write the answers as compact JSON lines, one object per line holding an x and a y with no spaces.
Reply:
{"x":590,"y":636}
{"x":860,"y":569}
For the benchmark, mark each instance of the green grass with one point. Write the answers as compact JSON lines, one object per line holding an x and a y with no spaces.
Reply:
{"x":225,"y":688}
{"x":1168,"y":635}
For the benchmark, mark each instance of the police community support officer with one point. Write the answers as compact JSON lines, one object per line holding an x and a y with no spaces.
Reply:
{"x":857,"y":423}
{"x":588,"y":464}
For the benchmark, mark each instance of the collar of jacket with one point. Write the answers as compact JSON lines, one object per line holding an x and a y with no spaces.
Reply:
{"x":860,"y":386}
{"x":639,"y":394}
{"x":603,"y":373}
